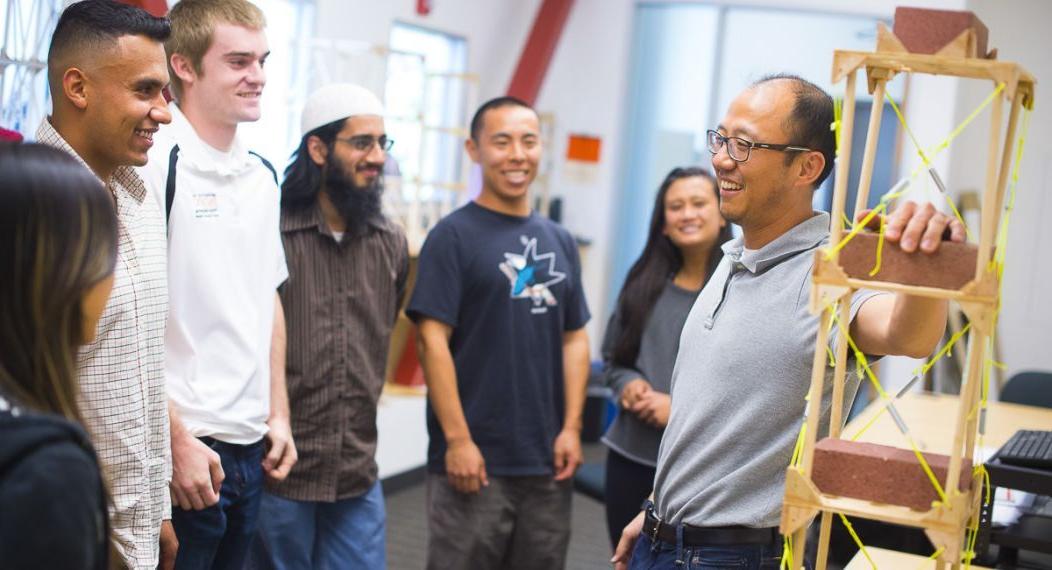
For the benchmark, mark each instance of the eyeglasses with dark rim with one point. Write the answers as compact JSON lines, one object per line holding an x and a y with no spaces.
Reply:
{"x":365,"y":143}
{"x":739,"y":149}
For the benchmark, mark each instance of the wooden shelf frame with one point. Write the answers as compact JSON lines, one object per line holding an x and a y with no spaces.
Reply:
{"x":945,"y":523}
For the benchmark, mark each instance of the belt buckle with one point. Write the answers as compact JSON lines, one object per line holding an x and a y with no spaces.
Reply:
{"x":657,"y":524}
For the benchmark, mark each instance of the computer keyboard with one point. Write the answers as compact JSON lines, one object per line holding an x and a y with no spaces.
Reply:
{"x":1028,"y":448}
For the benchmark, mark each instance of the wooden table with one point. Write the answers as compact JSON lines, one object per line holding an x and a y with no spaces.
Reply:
{"x":930,"y":418}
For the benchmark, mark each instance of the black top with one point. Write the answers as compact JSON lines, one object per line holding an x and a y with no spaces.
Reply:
{"x":510,"y":286}
{"x":52,"y":502}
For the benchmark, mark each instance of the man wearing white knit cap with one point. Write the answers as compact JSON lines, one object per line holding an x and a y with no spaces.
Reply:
{"x":347,"y":276}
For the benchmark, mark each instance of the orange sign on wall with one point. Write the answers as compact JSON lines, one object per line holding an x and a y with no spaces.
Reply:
{"x":583,"y":148}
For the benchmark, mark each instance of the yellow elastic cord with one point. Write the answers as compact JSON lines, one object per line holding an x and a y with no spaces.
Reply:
{"x":798,"y":449}
{"x":957,"y":214}
{"x":880,"y":390}
{"x":838,"y":114}
{"x":945,"y":351}
{"x":906,"y":127}
{"x":787,"y":553}
{"x":858,"y":541}
{"x":927,"y":469}
{"x":861,"y":359}
{"x":949,"y":138}
{"x":880,"y":246}
{"x":925,"y":158}
{"x":969,"y":552}
{"x":854,"y":231}
{"x":933,"y":556}
{"x":858,"y":227}
{"x":984,"y":475}
{"x":964,"y":124}
{"x":869,"y":424}
{"x":1002,"y":238}
{"x":832,"y":313}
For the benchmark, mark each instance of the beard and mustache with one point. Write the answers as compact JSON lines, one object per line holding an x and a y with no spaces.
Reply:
{"x":357,"y":205}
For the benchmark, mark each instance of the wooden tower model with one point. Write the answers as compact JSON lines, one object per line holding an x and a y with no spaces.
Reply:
{"x":837,"y":476}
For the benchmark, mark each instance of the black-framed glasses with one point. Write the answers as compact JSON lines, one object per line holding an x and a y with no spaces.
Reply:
{"x":739,"y":149}
{"x":365,"y":143}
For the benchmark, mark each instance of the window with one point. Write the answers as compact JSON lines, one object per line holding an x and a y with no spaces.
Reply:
{"x":426,"y":96}
{"x":691,"y":59}
{"x":277,"y":133}
{"x":24,"y":96}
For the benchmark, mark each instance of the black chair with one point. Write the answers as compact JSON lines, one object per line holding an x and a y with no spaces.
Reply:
{"x":1031,"y":388}
{"x":590,"y":479}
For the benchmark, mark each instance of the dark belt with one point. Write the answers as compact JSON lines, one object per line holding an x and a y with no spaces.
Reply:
{"x":235,"y":448}
{"x":708,"y":536}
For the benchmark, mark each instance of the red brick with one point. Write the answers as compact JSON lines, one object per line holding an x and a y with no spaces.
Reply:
{"x":951,"y":267}
{"x":880,"y":473}
{"x":927,"y":31}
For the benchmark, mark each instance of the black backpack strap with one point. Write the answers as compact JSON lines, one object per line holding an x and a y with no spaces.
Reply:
{"x":266,"y":163}
{"x":169,"y":188}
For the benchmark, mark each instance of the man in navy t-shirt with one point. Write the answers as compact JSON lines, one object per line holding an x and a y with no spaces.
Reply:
{"x":501,"y":313}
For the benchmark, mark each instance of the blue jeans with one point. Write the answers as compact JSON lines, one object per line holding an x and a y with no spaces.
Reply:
{"x":647,"y":556}
{"x":219,"y":536}
{"x":323,"y":536}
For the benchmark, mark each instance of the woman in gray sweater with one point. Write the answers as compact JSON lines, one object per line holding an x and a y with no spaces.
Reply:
{"x":642,"y":337}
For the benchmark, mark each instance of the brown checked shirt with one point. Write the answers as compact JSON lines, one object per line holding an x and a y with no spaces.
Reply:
{"x":341,"y":301}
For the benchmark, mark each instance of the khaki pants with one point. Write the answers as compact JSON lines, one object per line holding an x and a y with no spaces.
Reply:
{"x":514,"y":523}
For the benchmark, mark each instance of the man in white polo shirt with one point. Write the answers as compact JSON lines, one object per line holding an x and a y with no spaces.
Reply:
{"x":225,"y":342}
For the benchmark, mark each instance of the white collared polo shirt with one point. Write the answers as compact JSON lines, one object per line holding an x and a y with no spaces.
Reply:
{"x":225,"y":262}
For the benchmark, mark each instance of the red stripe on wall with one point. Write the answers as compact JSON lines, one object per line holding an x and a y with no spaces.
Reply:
{"x":156,"y":7}
{"x":540,"y":47}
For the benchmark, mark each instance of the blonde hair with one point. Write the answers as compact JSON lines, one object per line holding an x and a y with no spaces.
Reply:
{"x":193,"y":24}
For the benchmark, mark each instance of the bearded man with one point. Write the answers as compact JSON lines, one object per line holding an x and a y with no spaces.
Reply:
{"x":347,"y":276}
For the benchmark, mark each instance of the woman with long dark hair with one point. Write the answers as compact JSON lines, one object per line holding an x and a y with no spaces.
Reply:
{"x":642,"y":337}
{"x":58,"y":248}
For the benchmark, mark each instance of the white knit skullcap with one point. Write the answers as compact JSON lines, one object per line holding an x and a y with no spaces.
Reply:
{"x":338,"y":101}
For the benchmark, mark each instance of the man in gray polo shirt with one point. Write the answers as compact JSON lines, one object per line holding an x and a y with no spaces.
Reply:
{"x":744,"y":363}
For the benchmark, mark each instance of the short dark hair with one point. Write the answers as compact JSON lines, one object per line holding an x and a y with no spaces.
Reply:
{"x":303,"y":176}
{"x":496,"y":103}
{"x":810,"y":120}
{"x":92,"y":24}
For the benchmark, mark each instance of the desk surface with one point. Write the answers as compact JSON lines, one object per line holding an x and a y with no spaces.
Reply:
{"x":930,"y":418}
{"x":888,"y":559}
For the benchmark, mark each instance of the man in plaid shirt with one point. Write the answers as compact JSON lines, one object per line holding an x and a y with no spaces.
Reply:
{"x":106,"y":69}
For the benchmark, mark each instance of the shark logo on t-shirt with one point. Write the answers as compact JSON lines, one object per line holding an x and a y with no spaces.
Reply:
{"x":531,"y":274}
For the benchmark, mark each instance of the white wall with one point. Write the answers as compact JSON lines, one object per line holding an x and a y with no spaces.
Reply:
{"x":495,"y":33}
{"x":586,"y":88}
{"x":496,"y":30}
{"x":1018,"y":29}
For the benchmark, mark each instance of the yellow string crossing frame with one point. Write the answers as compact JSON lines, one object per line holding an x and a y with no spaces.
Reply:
{"x":950,"y":523}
